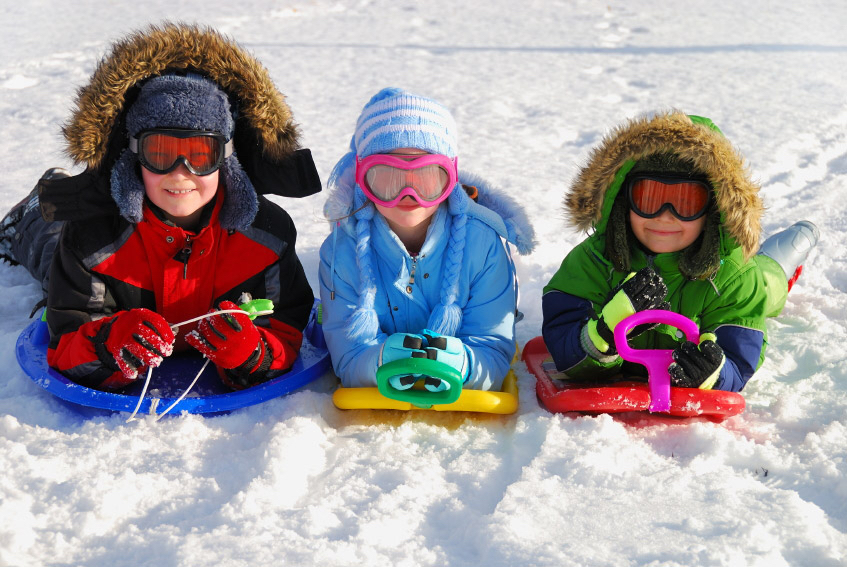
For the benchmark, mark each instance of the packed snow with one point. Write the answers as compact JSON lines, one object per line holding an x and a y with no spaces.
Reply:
{"x":533,"y":85}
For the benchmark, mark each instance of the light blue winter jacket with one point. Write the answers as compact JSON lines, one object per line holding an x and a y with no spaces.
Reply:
{"x":487,"y":285}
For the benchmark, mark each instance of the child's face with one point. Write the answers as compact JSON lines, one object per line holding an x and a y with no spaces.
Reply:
{"x":665,"y":233}
{"x":408,"y":215}
{"x":180,"y":194}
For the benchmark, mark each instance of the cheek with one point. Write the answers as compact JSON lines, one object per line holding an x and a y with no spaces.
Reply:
{"x":694,"y":228}
{"x":636,"y":223}
{"x":151,"y":180}
{"x":209,"y":183}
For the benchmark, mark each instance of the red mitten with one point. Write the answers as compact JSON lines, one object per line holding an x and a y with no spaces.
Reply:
{"x":228,"y":339}
{"x":134,"y":339}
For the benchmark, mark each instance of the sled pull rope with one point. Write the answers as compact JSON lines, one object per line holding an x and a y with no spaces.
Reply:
{"x":254,"y":308}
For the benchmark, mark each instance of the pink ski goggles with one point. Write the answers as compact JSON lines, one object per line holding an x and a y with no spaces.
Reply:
{"x":386,"y":178}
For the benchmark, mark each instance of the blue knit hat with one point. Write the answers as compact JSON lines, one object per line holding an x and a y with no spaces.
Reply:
{"x":391,"y":120}
{"x":394,"y":119}
{"x":190,"y":102}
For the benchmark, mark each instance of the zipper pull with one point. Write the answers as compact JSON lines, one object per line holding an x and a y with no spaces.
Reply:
{"x":412,"y":274}
{"x":183,"y":255}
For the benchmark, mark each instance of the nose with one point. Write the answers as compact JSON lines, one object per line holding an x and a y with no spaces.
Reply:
{"x":181,"y":170}
{"x":666,"y":216}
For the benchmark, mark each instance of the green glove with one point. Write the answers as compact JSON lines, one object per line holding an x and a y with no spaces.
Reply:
{"x":640,"y":291}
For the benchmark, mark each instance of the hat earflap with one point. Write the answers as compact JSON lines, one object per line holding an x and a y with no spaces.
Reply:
{"x":241,"y":204}
{"x":701,"y":259}
{"x":127,"y":187}
{"x":619,"y":234}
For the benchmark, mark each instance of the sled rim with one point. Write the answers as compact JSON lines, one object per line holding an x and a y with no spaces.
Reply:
{"x":31,"y":353}
{"x":503,"y":402}
{"x":624,"y":395}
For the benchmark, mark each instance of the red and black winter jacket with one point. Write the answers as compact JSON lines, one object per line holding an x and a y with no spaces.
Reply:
{"x":106,"y":265}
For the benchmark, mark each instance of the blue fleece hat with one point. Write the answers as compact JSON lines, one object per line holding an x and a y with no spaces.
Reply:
{"x":391,"y":120}
{"x":190,"y":102}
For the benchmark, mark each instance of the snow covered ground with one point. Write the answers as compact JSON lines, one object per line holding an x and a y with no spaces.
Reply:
{"x":533,"y":86}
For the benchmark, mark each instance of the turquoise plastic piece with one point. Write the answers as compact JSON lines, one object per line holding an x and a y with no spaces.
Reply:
{"x":427,"y":367}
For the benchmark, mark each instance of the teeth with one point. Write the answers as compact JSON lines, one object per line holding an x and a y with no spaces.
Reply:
{"x":179,"y":191}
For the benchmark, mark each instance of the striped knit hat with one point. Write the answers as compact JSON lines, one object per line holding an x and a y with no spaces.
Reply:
{"x":395,"y":119}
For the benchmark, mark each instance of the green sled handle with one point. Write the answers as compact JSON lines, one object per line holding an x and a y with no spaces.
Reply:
{"x":257,"y":307}
{"x":427,"y":367}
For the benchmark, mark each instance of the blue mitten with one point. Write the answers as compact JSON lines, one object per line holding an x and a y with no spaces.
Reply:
{"x":397,"y":347}
{"x":450,"y":351}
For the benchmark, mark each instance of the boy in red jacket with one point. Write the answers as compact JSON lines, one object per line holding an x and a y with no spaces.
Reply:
{"x":166,"y":224}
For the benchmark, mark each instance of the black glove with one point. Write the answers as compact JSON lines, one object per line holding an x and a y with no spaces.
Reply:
{"x":697,"y":366}
{"x":638,"y":292}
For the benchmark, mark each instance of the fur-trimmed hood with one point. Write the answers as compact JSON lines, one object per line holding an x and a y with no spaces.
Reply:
{"x":589,"y":200}
{"x":262,"y":110}
{"x":265,"y":137}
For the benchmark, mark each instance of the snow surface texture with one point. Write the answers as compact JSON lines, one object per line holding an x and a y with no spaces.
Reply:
{"x":533,"y":86}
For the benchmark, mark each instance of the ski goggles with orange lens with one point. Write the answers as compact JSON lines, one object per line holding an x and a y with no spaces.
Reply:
{"x":163,"y":150}
{"x":387,"y":178}
{"x":650,"y":195}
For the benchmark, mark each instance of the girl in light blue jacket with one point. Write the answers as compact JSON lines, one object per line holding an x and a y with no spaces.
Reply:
{"x":418,"y":263}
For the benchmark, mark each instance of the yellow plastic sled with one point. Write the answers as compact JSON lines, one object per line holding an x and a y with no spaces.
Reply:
{"x":503,"y":402}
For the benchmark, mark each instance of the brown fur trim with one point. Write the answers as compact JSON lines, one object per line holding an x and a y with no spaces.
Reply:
{"x":150,"y":52}
{"x":672,"y":132}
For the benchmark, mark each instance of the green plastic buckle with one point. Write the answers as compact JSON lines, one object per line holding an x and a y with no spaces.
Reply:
{"x":257,"y":307}
{"x":420,"y":398}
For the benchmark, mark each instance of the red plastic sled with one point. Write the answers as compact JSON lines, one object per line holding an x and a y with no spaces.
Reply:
{"x":622,"y":396}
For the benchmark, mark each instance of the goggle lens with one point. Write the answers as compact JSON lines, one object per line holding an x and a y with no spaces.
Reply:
{"x":687,"y":200}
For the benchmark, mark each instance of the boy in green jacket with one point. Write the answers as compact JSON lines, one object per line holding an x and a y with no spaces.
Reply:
{"x":675,"y":219}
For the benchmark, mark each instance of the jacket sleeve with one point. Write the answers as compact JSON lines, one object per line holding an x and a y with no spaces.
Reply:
{"x":742,"y":348}
{"x":355,"y":364}
{"x":78,"y":303}
{"x":488,"y":317}
{"x":564,"y":316}
{"x":737,"y":317}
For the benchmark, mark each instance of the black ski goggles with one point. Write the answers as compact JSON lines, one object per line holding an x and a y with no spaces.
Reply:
{"x":162,"y":150}
{"x":650,"y":195}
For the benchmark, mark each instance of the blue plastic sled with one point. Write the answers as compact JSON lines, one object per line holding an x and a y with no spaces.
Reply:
{"x":169,"y":380}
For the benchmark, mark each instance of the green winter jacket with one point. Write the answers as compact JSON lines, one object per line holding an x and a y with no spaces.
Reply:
{"x":732,"y":298}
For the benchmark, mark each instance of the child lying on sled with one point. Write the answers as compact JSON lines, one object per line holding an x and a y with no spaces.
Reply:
{"x":415,"y":266}
{"x":166,"y":222}
{"x":676,"y":226}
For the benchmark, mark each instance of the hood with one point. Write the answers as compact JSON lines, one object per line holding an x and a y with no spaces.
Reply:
{"x":265,"y":136}
{"x":589,"y":200}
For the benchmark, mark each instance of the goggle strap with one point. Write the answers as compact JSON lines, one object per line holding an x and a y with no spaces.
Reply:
{"x":133,"y":146}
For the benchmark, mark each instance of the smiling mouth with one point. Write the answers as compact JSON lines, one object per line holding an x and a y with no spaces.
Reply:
{"x":659,"y":231}
{"x":179,"y":191}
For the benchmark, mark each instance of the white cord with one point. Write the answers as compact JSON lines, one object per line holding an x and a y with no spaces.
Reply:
{"x":256,"y":314}
{"x":185,"y":393}
{"x":141,"y":397}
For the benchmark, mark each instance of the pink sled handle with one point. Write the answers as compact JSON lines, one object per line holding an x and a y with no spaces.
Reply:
{"x":655,"y":360}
